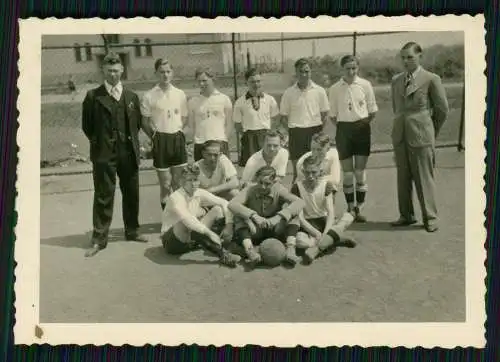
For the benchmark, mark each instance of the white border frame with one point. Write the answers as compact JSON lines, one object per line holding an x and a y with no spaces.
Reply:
{"x":27,"y":247}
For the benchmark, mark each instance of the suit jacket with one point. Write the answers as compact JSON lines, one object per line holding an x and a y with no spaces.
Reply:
{"x":420,"y":109}
{"x":97,"y":122}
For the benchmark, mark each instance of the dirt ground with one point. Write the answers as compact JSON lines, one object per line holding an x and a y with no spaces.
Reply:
{"x":404,"y":275}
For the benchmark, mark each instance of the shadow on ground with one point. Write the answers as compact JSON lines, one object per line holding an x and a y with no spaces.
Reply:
{"x":157,"y":255}
{"x":82,"y":241}
{"x":382,"y":226}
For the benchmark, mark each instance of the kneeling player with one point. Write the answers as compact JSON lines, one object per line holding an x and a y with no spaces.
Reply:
{"x":264,"y":210}
{"x":217,"y":173}
{"x":187,"y":226}
{"x":318,"y":216}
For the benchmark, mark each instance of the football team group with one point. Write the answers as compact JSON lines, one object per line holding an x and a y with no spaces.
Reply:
{"x":205,"y":203}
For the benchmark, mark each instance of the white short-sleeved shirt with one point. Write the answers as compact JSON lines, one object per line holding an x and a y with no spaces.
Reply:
{"x":352,"y":102}
{"x":330,"y":167}
{"x":166,"y":108}
{"x":304,"y":107}
{"x":182,"y":207}
{"x":256,"y":161}
{"x":222,"y":173}
{"x":254,"y":119}
{"x":209,"y":115}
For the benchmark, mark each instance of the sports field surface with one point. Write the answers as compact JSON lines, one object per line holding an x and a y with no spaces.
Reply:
{"x":403,"y":275}
{"x":61,"y":121}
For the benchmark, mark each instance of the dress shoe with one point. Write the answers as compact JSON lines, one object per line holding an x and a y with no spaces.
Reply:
{"x":136,"y":237}
{"x":431,"y":228}
{"x":92,"y":251}
{"x":403,"y":222}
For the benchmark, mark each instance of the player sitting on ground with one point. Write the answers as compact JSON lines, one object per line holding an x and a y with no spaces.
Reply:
{"x":217,"y":173}
{"x":318,"y":215}
{"x":187,"y":226}
{"x":261,"y":213}
{"x":272,"y":154}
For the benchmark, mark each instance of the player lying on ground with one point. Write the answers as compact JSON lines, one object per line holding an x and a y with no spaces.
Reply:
{"x":217,"y":173}
{"x":272,"y":154}
{"x":187,"y":226}
{"x":318,"y":216}
{"x":264,"y":210}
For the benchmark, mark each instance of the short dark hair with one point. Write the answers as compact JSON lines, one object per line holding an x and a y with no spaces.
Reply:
{"x":111,"y":58}
{"x":266,"y":171}
{"x":161,"y":61}
{"x":322,"y":138}
{"x":210,"y":143}
{"x":412,"y":45}
{"x":204,"y":70}
{"x":347,"y":59}
{"x":309,"y":161}
{"x":301,"y":62}
{"x":190,"y":169}
{"x":271,"y":133}
{"x":251,"y":72}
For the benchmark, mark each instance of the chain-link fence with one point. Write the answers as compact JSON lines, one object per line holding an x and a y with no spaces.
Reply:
{"x":71,"y":65}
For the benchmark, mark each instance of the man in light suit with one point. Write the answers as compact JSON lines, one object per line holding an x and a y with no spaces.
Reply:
{"x":111,"y":120}
{"x":421,"y":108}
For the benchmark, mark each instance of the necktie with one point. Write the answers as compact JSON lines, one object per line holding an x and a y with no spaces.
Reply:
{"x":115,"y":93}
{"x":408,"y":79}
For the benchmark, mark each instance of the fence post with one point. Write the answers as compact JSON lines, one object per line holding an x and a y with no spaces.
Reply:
{"x":460,"y":144}
{"x":235,"y":83}
{"x":282,"y":53}
{"x":354,"y":38}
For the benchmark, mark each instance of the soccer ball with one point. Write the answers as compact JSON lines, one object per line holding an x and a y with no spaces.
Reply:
{"x":272,"y":251}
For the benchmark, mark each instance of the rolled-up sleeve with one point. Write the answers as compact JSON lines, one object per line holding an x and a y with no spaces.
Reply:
{"x":332,"y":99}
{"x":146,"y":105}
{"x":371,"y":103}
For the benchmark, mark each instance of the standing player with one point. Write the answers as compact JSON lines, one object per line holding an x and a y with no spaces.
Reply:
{"x":210,"y":114}
{"x":304,"y":110}
{"x":254,"y":113}
{"x":353,"y":108}
{"x":217,"y":173}
{"x":186,"y":225}
{"x":318,"y":216}
{"x":326,"y":157}
{"x":164,"y":112}
{"x":421,"y":108}
{"x":272,"y":154}
{"x":262,"y":211}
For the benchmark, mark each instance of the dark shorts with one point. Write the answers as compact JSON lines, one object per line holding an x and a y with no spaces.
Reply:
{"x":319,"y":223}
{"x":174,"y":246}
{"x":169,"y":149}
{"x":299,"y":140}
{"x":353,"y":139}
{"x":281,"y":233}
{"x":224,"y":147}
{"x":251,"y":142}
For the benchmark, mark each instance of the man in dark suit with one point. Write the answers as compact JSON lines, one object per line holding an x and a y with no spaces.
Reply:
{"x":421,"y":108}
{"x":111,"y":120}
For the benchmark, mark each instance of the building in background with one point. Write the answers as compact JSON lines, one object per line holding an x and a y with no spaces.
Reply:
{"x":78,"y":58}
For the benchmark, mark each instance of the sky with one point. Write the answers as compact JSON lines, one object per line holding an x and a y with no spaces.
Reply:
{"x":298,"y":48}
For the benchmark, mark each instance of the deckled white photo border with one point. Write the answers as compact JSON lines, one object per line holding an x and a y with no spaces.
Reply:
{"x":27,"y":246}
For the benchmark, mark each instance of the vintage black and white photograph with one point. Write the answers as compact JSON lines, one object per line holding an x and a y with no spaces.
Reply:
{"x":222,"y":174}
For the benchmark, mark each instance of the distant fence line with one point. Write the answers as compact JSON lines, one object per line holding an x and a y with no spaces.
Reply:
{"x":229,"y":64}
